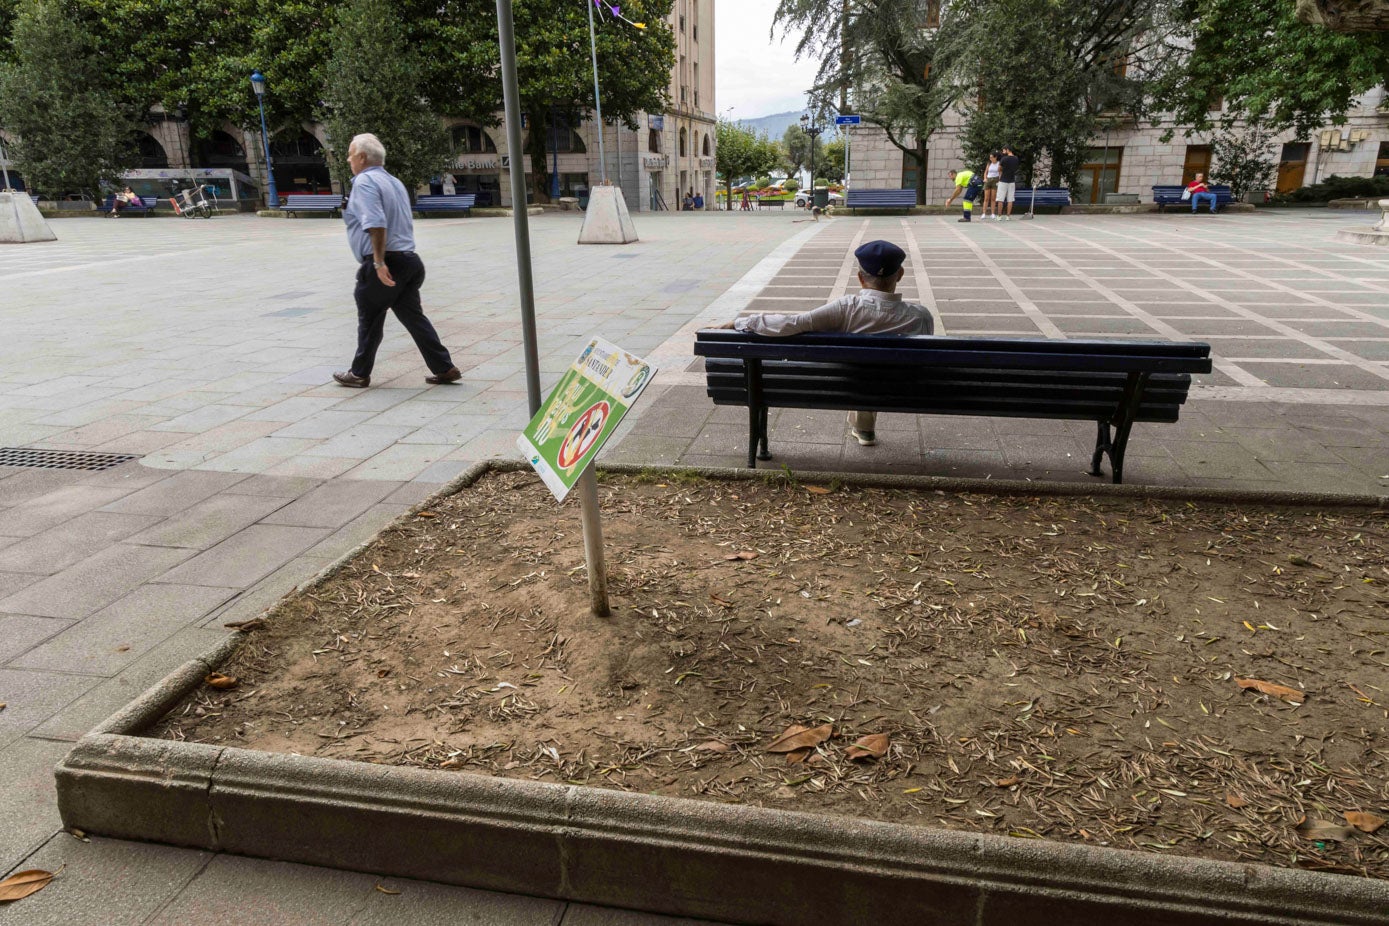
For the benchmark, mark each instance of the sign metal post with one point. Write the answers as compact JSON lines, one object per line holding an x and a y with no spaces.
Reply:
{"x":565,"y":435}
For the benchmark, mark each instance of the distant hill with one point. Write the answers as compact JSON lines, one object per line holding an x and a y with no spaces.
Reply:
{"x":774,"y":126}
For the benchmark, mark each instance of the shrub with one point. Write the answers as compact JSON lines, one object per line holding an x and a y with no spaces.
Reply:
{"x":1335,"y":187}
{"x":790,"y":185}
{"x":761,"y":183}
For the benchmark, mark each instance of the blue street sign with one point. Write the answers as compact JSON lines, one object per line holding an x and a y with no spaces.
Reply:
{"x":847,"y":120}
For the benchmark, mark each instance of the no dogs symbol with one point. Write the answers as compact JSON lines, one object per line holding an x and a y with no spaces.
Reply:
{"x":583,"y":434}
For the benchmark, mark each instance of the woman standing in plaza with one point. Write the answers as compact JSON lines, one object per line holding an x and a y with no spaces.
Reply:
{"x":991,"y":175}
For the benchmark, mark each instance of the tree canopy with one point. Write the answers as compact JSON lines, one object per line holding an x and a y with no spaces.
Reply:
{"x":71,"y":132}
{"x":373,"y":86}
{"x":743,"y":153}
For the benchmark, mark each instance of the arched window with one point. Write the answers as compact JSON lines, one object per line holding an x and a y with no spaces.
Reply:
{"x":219,"y":149}
{"x":152,"y":154}
{"x":706,"y":146}
{"x":560,"y":137}
{"x":469,"y":139}
{"x":684,"y":147}
{"x":304,"y":147}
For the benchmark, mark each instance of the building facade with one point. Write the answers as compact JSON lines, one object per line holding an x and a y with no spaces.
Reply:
{"x":669,"y":154}
{"x":1130,"y":158}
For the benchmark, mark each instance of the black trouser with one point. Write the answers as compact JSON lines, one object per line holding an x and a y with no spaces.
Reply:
{"x":375,"y":298}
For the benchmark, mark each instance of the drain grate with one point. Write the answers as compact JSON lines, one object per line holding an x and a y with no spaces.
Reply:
{"x":62,"y":459}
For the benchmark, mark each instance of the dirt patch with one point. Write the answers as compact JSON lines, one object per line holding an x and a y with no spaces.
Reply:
{"x":1057,"y":668}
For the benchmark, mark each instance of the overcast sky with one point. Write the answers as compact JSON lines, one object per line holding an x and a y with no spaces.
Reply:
{"x":756,"y":75}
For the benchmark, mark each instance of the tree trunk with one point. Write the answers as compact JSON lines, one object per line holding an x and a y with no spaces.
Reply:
{"x":536,"y":137}
{"x":921,"y":172}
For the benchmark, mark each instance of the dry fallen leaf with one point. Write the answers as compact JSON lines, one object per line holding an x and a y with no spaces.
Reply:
{"x":386,"y":890}
{"x":873,"y":745}
{"x":1282,"y":692}
{"x":21,"y":884}
{"x":1323,"y":830}
{"x":720,"y":601}
{"x":123,"y":648}
{"x":1235,"y":801}
{"x":425,"y":514}
{"x":818,"y":490}
{"x":745,"y":554}
{"x":222,"y":682}
{"x":2,"y":705}
{"x":1007,"y":782}
{"x":797,"y":738}
{"x":712,"y":746}
{"x":1364,"y":822}
{"x":254,"y":623}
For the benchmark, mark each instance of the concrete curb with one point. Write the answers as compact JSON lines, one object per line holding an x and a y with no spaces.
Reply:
{"x":667,"y":855}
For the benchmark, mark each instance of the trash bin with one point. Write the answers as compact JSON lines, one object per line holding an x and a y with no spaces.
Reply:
{"x":822,"y":198}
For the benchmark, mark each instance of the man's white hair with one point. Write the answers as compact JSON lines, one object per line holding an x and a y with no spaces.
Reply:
{"x":370,"y":147}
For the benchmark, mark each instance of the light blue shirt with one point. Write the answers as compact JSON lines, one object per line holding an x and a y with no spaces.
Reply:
{"x":378,"y":200}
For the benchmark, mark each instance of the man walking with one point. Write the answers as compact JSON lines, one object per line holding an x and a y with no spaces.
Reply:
{"x":1007,"y":183}
{"x":381,"y":233}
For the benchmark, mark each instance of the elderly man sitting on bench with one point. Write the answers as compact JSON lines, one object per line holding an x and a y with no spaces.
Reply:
{"x":877,"y":309}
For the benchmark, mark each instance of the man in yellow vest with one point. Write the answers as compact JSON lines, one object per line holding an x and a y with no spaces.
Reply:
{"x":970,"y":185}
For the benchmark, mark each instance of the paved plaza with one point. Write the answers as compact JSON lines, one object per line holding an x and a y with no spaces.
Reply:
{"x":206,"y":349}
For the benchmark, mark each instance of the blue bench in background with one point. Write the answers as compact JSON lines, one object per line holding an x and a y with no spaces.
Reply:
{"x":146,"y":206}
{"x":880,"y":199}
{"x":1166,"y":196}
{"x":1114,"y":383}
{"x":1044,"y":196}
{"x":311,"y":202}
{"x":459,"y":202}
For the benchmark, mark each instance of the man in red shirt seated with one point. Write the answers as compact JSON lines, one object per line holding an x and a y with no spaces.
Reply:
{"x":1198,"y":190}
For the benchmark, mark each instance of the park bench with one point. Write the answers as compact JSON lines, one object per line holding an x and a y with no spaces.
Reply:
{"x":311,"y":202}
{"x":458,"y":202}
{"x":880,"y":199}
{"x":1045,"y":196}
{"x":769,"y":203}
{"x":1113,"y":383}
{"x":1166,"y":196}
{"x":146,"y":207}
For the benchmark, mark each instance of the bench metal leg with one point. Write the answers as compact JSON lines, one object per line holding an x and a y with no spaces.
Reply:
{"x":757,"y":413}
{"x":1103,"y":445}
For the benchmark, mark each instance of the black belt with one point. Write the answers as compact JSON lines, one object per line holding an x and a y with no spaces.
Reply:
{"x":388,"y":254}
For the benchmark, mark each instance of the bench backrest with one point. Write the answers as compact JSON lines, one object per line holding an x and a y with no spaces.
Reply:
{"x":146,"y":203}
{"x":1012,"y":377}
{"x":1172,"y":193}
{"x":880,"y":197}
{"x":455,"y":201}
{"x":312,"y":199}
{"x":1043,"y":196}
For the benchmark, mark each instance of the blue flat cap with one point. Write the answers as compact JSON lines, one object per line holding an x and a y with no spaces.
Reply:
{"x":880,"y":258}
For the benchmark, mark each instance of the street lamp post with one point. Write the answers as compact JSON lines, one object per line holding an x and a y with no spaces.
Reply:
{"x":811,"y":129}
{"x":258,"y":84}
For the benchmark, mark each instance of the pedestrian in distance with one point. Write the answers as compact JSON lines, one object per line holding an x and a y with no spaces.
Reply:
{"x":1199,"y":191}
{"x":876,"y":309}
{"x":991,"y":171}
{"x":381,"y":233}
{"x":969,"y":184}
{"x":1007,"y":182}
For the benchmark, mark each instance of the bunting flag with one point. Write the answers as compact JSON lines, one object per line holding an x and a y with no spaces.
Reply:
{"x":615,"y":12}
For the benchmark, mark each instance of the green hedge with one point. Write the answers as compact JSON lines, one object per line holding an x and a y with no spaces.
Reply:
{"x":1335,"y":187}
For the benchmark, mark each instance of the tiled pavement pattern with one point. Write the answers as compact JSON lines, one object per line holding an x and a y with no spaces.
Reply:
{"x":207,"y":347}
{"x":1298,"y":323}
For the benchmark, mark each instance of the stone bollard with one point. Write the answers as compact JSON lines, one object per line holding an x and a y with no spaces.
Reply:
{"x":1383,"y":225}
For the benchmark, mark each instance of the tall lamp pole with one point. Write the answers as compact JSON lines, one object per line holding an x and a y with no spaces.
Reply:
{"x":813,"y":131}
{"x":597,"y":98}
{"x":258,"y":84}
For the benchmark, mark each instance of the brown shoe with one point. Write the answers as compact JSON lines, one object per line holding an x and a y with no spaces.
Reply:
{"x":451,"y":375}
{"x":352,"y":380}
